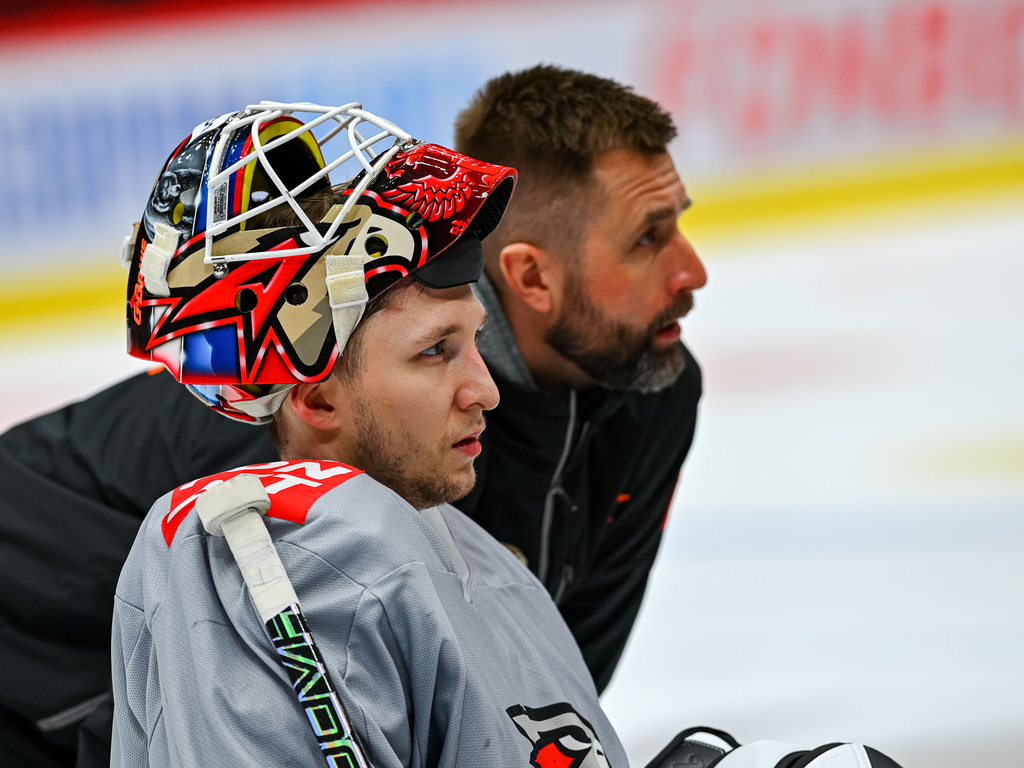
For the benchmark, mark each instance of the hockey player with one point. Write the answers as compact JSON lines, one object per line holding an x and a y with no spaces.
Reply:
{"x":355,"y":331}
{"x":348,"y":322}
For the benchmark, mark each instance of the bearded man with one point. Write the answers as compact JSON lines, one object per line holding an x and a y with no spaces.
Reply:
{"x":586,"y":279}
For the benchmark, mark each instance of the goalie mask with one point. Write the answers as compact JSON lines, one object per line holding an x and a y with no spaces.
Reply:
{"x":248,"y":272}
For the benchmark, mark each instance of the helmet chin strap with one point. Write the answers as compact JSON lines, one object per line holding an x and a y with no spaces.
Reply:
{"x":346,"y":290}
{"x":157,"y":259}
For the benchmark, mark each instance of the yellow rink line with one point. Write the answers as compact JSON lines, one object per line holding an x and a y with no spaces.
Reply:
{"x":878,"y":190}
{"x":998,"y":457}
{"x":69,"y":297}
{"x":749,"y":207}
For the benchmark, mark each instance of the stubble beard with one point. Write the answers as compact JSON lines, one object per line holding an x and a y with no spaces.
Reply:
{"x":614,"y":354}
{"x":393,"y":461}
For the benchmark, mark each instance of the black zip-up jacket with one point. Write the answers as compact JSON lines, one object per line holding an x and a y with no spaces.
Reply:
{"x":583,"y":505}
{"x":592,"y":530}
{"x":579,"y":483}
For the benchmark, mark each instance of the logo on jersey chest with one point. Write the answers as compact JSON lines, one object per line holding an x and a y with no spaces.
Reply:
{"x":561,"y":738}
{"x":292,"y":486}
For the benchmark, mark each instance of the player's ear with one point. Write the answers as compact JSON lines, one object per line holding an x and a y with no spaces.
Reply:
{"x":314,"y":403}
{"x":533,"y":274}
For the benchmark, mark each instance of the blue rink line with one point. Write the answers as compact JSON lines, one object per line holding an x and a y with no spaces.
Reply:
{"x":788,"y":533}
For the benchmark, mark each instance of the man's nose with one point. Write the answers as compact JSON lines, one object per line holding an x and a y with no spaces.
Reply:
{"x":478,"y":389}
{"x":687,"y":269}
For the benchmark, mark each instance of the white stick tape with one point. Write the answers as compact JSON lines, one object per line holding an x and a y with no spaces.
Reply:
{"x":234,"y":509}
{"x":261,"y":567}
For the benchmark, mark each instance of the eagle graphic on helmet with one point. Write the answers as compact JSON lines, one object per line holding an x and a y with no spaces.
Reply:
{"x":560,"y":736}
{"x":248,"y":272}
{"x":432,"y":181}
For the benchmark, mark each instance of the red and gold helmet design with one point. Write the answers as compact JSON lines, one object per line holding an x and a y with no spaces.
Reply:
{"x":239,"y":308}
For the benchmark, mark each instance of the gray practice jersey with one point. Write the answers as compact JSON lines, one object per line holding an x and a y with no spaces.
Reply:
{"x":444,"y":648}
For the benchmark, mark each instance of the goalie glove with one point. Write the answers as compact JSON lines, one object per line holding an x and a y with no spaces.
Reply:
{"x":711,"y":748}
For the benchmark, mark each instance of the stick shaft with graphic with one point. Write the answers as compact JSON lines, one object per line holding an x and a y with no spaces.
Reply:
{"x":234,"y":509}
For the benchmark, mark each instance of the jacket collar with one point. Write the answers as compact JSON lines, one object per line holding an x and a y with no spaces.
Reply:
{"x":497,"y":343}
{"x":518,"y":390}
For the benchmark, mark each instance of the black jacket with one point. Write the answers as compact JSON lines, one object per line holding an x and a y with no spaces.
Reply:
{"x":579,"y":484}
{"x":76,"y":483}
{"x":590,"y":531}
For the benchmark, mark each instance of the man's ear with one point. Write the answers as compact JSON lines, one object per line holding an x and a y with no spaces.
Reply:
{"x":533,"y":274}
{"x":314,"y":403}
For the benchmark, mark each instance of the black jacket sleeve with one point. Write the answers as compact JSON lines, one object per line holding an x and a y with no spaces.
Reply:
{"x":74,"y":487}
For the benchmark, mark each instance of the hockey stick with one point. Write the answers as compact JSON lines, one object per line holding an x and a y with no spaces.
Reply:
{"x":234,"y":509}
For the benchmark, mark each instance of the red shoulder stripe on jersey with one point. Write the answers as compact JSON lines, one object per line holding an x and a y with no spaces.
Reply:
{"x":293,"y":486}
